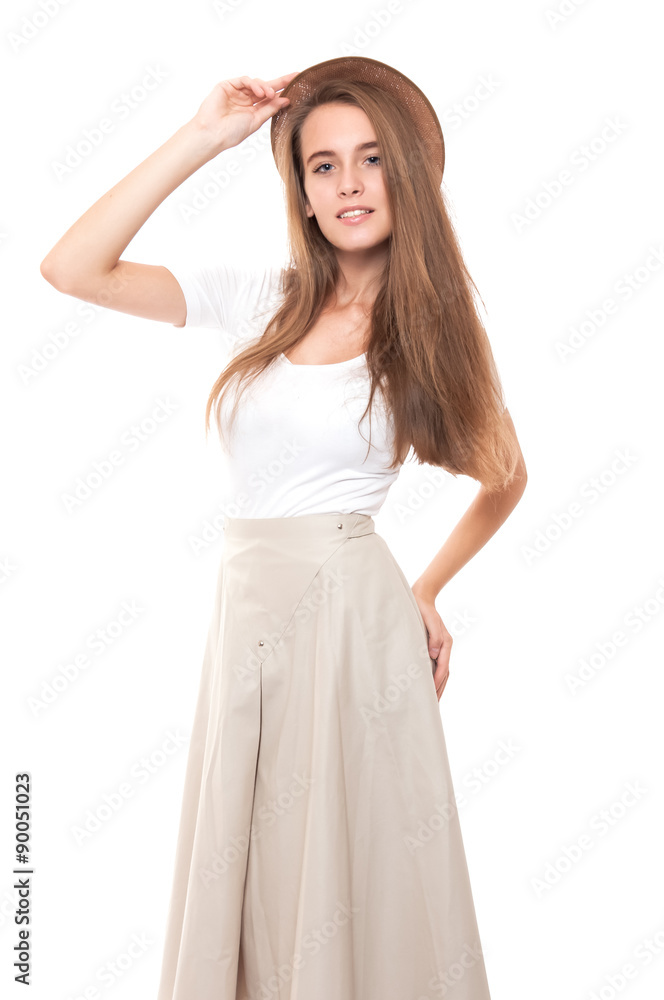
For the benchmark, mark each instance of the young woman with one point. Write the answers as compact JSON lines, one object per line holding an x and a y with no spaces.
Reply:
{"x":320,"y":854}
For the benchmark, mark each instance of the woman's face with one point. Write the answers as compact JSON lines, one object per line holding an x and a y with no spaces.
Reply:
{"x":342,"y":168}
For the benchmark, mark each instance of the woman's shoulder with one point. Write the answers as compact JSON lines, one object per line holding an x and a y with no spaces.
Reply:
{"x":218,"y":292}
{"x":250,"y":278}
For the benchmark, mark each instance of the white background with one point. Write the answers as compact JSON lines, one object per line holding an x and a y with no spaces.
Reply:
{"x":537,"y":601}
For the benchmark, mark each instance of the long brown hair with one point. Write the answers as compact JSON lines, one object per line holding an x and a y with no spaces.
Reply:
{"x":428,"y":350}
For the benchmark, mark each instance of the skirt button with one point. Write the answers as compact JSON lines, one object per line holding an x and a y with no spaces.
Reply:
{"x":260,"y":642}
{"x":340,"y":526}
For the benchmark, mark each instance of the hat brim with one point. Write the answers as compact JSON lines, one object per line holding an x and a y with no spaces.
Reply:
{"x":363,"y":70}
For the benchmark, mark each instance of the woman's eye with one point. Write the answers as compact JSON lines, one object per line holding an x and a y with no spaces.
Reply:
{"x":373,"y":156}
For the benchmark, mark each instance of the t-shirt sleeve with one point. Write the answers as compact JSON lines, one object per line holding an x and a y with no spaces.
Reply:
{"x":237,"y":301}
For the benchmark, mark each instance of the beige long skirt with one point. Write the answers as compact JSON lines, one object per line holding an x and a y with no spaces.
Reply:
{"x":319,"y":854}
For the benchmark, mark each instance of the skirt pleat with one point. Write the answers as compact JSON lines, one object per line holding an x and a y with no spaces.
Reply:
{"x":319,"y":854}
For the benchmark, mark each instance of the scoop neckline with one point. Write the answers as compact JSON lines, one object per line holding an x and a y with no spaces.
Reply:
{"x":331,"y":364}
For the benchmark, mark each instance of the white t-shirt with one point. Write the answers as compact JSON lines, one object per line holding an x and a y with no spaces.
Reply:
{"x":295,"y":446}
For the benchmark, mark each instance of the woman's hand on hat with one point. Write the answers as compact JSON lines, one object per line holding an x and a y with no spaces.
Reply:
{"x":237,"y":107}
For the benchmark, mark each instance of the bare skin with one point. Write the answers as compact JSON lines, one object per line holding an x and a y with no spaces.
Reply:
{"x":346,"y":175}
{"x":86,"y":264}
{"x":479,"y":523}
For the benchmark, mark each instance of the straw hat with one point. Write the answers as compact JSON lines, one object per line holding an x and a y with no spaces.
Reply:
{"x":364,"y":70}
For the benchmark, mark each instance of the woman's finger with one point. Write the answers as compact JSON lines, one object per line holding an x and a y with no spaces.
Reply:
{"x":248,"y":83}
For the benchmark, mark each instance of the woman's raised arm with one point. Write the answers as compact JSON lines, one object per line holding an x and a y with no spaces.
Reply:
{"x":85,"y":262}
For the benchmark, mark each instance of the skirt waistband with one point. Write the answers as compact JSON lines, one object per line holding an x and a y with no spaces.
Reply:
{"x":326,"y":527}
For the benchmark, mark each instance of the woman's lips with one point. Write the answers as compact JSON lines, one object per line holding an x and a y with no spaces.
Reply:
{"x":354,"y":220}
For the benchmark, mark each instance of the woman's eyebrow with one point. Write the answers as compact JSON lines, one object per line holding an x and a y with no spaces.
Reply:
{"x":330,"y":152}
